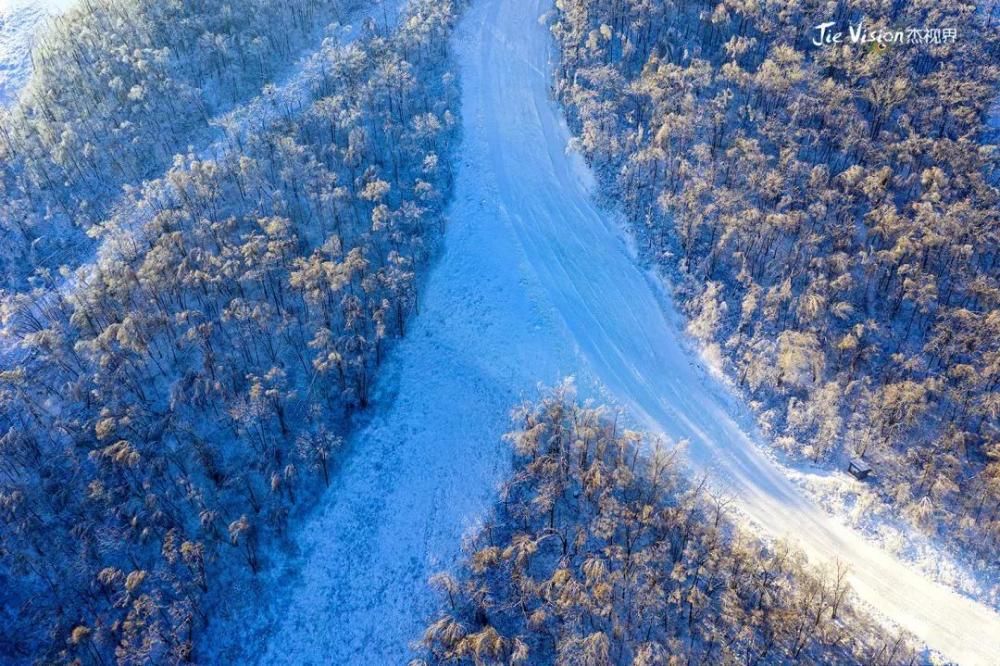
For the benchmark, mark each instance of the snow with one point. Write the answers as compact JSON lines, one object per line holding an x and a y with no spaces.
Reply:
{"x":864,"y":510}
{"x":19,"y":22}
{"x":536,"y":282}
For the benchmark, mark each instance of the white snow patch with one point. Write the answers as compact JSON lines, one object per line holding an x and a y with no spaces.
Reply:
{"x":20,"y":21}
{"x":17,"y":29}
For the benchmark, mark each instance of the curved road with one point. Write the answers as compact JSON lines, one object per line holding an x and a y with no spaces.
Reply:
{"x":536,"y":282}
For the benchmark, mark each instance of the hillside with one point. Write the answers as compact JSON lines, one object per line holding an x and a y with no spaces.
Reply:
{"x":274,"y":274}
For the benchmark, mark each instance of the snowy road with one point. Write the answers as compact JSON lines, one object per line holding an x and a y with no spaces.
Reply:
{"x":536,"y":282}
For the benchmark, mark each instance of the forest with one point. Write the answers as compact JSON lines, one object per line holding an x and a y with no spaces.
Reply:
{"x":119,"y":87}
{"x":168,"y":405}
{"x":599,"y":551}
{"x":828,"y":217}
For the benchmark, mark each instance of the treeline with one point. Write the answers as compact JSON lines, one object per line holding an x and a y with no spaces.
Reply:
{"x":829,"y":216}
{"x":168,"y":407}
{"x":599,"y":553}
{"x":118,"y":88}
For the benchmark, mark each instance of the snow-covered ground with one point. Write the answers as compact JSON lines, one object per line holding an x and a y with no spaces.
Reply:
{"x":536,"y":282}
{"x":20,"y":21}
{"x":859,"y":506}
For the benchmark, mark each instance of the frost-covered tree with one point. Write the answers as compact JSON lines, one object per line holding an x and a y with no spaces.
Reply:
{"x":596,"y":554}
{"x":828,"y":215}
